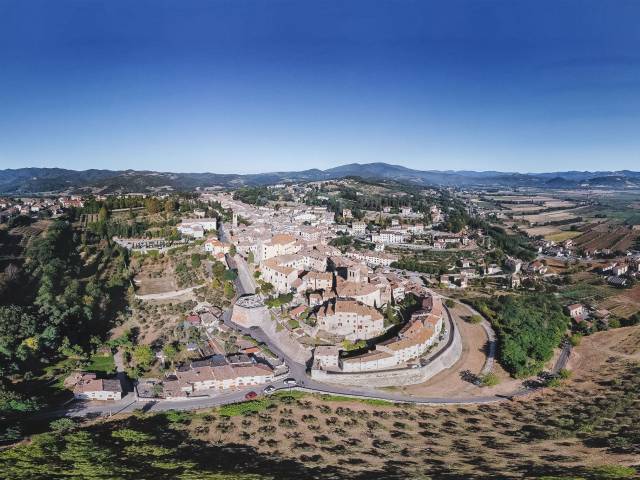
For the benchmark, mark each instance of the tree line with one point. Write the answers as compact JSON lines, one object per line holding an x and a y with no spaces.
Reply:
{"x":528,"y":327}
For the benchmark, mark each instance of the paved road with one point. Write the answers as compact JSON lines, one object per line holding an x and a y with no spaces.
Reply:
{"x":297,"y":370}
{"x":492,"y":343}
{"x":246,"y":283}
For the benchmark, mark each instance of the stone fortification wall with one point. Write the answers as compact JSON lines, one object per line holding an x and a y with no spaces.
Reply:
{"x":446,"y":358}
{"x":249,"y":312}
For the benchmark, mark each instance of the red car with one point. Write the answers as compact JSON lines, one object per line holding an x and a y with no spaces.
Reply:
{"x":251,"y":395}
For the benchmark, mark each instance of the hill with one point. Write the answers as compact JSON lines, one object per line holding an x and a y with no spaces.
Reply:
{"x":40,"y":180}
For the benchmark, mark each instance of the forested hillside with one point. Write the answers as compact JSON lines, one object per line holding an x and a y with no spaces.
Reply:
{"x":58,"y":306}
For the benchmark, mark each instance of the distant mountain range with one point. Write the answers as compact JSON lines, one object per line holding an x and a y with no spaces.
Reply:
{"x":41,"y":180}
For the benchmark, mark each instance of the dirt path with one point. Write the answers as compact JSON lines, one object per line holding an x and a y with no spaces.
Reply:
{"x":474,"y":357}
{"x":167,"y":295}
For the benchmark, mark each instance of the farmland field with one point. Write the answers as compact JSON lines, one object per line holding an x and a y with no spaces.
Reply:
{"x":550,"y":217}
{"x":561,"y":236}
{"x":607,"y":235}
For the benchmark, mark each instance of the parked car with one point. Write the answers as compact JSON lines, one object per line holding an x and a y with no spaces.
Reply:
{"x":269,"y":389}
{"x":251,"y":395}
{"x":291,"y":382}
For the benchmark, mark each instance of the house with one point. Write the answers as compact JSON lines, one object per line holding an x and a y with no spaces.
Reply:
{"x":358,"y":228}
{"x":223,"y":376}
{"x":537,"y":267}
{"x":513,"y":264}
{"x":373,"y":259}
{"x":620,"y":269}
{"x":346,"y":213}
{"x":89,"y":387}
{"x":281,"y":244}
{"x":326,"y":357}
{"x":493,"y":269}
{"x":196,"y":227}
{"x":281,"y":276}
{"x":388,"y":236}
{"x":362,"y":292}
{"x":576,"y":311}
{"x":297,"y":311}
{"x":318,"y":280}
{"x":351,"y":319}
{"x":215,"y":246}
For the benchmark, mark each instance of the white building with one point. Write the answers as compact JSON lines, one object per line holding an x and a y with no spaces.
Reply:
{"x":280,"y":274}
{"x":280,"y":244}
{"x":358,"y":228}
{"x":91,"y":388}
{"x":365,"y":293}
{"x":388,"y":236}
{"x":373,"y":259}
{"x":223,"y":377}
{"x":197,"y":227}
{"x":327,"y":357}
{"x":215,"y":246}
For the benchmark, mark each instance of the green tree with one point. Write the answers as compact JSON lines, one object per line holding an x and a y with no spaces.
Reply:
{"x":169,"y":206}
{"x":170,"y":352}
{"x":143,"y":356}
{"x":152,"y":204}
{"x":103,"y":214}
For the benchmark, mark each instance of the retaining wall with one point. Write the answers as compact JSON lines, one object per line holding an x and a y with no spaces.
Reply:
{"x":446,"y":358}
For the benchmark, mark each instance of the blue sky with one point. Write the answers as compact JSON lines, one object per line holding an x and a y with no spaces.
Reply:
{"x":251,"y":86}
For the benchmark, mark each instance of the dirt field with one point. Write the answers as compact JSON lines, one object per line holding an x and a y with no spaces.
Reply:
{"x":155,"y":278}
{"x":542,"y":231}
{"x":549,"y":217}
{"x":624,"y":304}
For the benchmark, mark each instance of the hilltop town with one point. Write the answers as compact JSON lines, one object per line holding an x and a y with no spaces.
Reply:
{"x":377,"y":291}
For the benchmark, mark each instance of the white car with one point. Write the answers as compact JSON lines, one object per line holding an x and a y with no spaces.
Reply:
{"x":291,"y":382}
{"x":269,"y":389}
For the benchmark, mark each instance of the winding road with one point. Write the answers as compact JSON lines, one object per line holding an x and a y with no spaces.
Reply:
{"x":245,"y":284}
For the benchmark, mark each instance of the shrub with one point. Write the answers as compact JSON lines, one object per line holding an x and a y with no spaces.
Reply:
{"x":475,"y":319}
{"x":564,"y":373}
{"x":575,"y":339}
{"x":489,"y":380}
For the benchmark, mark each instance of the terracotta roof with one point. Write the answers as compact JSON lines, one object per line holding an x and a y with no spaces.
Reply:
{"x":282,"y":239}
{"x":349,"y":306}
{"x":354,"y":289}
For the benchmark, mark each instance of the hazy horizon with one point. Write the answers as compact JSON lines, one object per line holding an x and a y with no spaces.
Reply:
{"x":248,"y":87}
{"x":257,"y":172}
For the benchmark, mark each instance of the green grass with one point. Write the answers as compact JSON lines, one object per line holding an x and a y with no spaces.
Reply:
{"x":235,"y":409}
{"x":290,"y":394}
{"x":563,"y":235}
{"x":585,"y":291}
{"x":101,"y":364}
